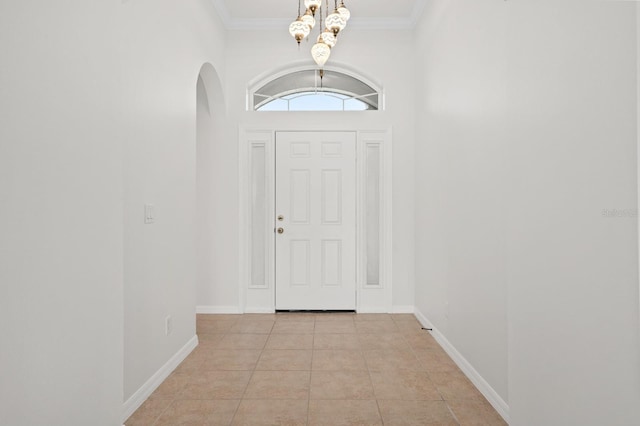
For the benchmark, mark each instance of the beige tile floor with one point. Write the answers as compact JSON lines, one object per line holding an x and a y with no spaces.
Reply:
{"x":315,"y":369}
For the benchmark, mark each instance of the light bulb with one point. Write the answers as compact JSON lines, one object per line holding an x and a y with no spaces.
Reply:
{"x":312,"y":5}
{"x":320,"y":53}
{"x":299,"y":30}
{"x":327,"y":38}
{"x":343,"y":11}
{"x":335,"y":22}
{"x":308,"y":19}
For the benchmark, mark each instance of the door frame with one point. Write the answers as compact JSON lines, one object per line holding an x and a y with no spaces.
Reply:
{"x":256,"y":292}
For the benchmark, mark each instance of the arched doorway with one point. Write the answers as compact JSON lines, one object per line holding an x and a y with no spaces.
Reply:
{"x":210,"y":116}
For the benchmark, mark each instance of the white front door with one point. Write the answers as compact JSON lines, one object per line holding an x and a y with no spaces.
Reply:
{"x":315,"y":220}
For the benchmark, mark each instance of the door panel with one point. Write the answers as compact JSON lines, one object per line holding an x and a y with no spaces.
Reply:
{"x":316,"y":199}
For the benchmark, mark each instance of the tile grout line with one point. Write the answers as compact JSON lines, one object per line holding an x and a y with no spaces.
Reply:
{"x":245,"y":388}
{"x":252,"y":374}
{"x":313,"y":341}
{"x":377,"y":400}
{"x":175,"y":396}
{"x":371,"y":378}
{"x":455,"y":418}
{"x":366,"y":363}
{"x":434,"y":385}
{"x":223,"y":336}
{"x":374,"y":391}
{"x":413,"y":350}
{"x":163,"y":411}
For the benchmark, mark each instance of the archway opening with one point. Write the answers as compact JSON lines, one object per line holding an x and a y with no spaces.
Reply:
{"x":210,"y":171}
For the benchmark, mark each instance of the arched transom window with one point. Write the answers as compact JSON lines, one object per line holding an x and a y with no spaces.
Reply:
{"x":311,"y":90}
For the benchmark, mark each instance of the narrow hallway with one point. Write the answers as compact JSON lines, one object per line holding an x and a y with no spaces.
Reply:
{"x":331,"y":369}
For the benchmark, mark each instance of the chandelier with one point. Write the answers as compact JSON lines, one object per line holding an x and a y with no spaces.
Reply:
{"x":334,"y":23}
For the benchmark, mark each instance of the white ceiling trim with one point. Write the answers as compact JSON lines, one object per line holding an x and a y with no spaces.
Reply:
{"x":354,"y":23}
{"x":223,"y":12}
{"x":417,"y":12}
{"x":232,"y":23}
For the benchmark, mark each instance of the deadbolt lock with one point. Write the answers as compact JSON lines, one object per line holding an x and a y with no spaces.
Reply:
{"x":280,"y":218}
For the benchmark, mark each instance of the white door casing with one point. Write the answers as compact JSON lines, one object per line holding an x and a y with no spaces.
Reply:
{"x":315,"y":209}
{"x":257,"y":263}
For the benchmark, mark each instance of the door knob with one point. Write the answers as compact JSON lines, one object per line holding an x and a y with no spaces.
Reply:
{"x":280,"y":230}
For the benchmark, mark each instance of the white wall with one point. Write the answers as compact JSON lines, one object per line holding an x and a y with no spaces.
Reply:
{"x":461,"y":282}
{"x":251,"y":55}
{"x":99,"y":118}
{"x":573,"y":273}
{"x":165,"y":43}
{"x":60,"y":214}
{"x":528,"y":131}
{"x":211,"y":182}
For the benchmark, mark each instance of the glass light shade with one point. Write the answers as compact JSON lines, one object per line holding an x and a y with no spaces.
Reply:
{"x":327,"y":38}
{"x":299,"y":30}
{"x":343,"y":11}
{"x":312,"y":5}
{"x":335,"y":22}
{"x":320,"y":53}
{"x":308,"y":19}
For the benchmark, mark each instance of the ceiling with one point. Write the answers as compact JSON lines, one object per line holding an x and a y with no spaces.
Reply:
{"x":274,"y":14}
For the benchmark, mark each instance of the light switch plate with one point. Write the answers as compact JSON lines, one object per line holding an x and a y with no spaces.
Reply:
{"x":149,"y":213}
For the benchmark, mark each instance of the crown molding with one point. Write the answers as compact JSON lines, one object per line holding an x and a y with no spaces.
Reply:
{"x":223,"y":12}
{"x":243,"y":24}
{"x":418,"y":10}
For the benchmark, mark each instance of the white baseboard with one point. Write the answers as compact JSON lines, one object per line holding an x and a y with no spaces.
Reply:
{"x":492,"y":396}
{"x":397,"y":309}
{"x":251,"y":310}
{"x":371,"y":310}
{"x":217,"y":310}
{"x":141,"y":395}
{"x":403,"y":309}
